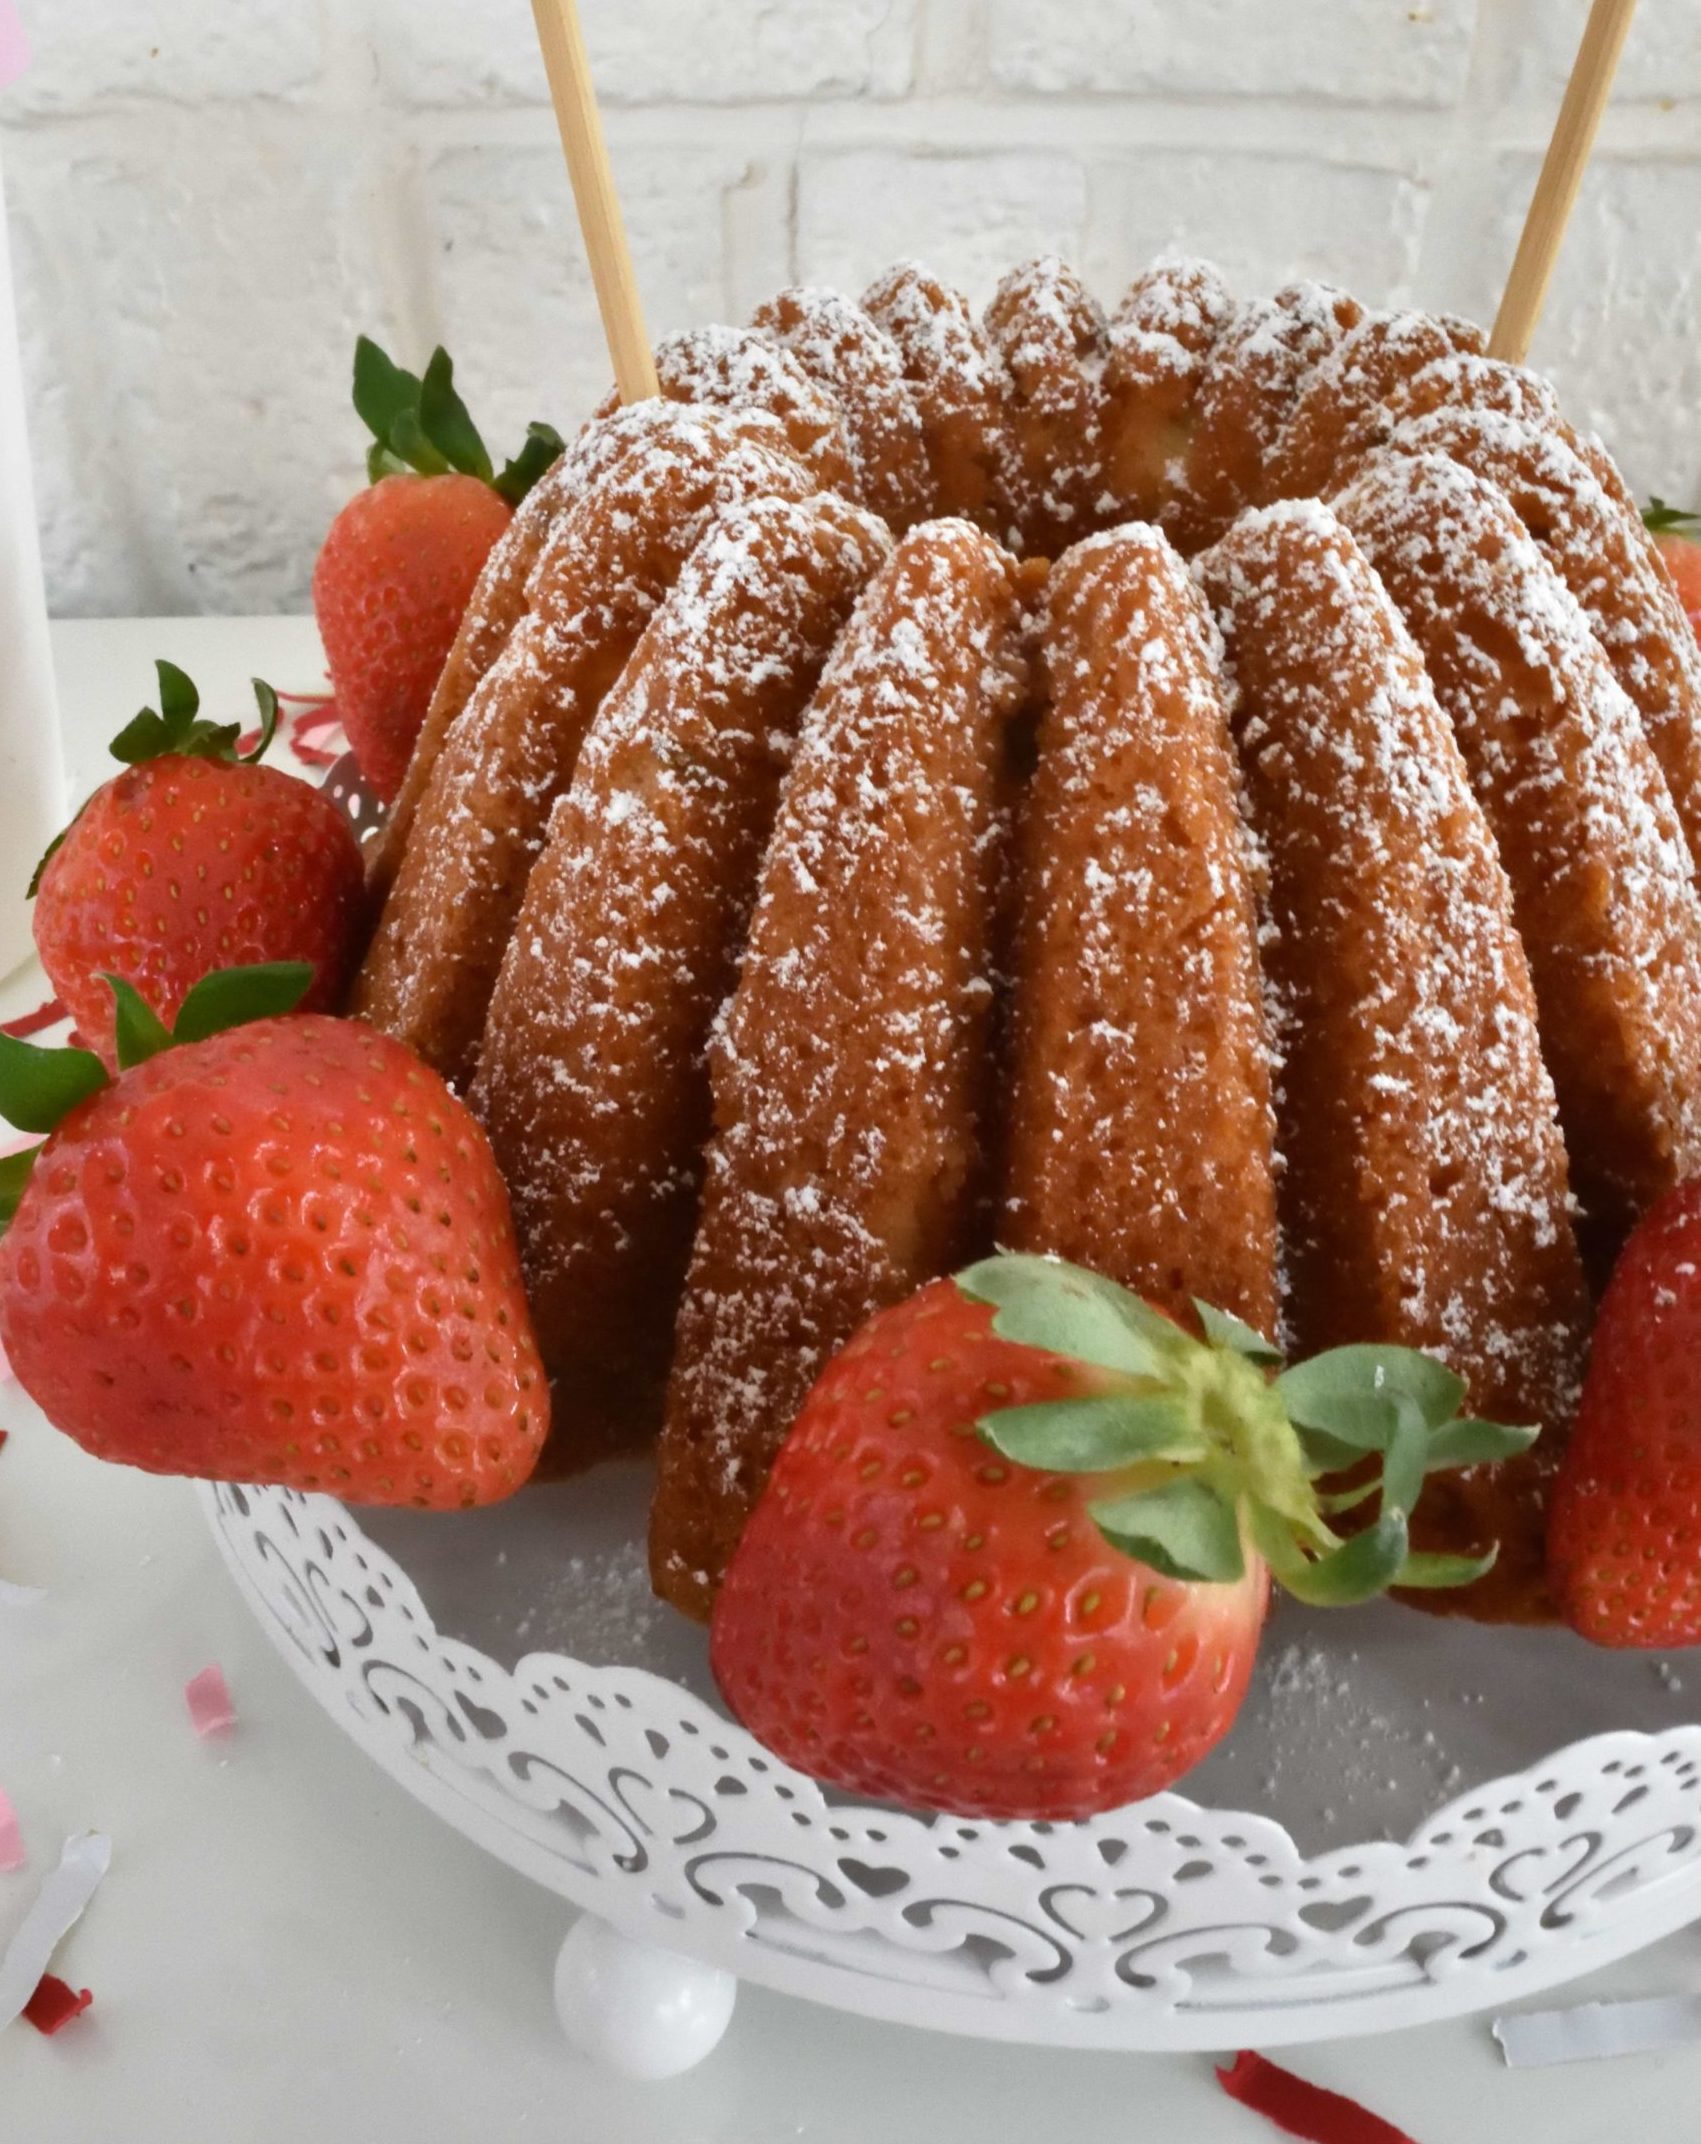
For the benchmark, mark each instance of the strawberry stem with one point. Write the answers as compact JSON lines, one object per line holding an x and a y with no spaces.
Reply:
{"x":420,"y":424}
{"x":1208,"y":1446}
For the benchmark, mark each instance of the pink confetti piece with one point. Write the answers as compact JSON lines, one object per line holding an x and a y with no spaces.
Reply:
{"x":7,"y":1374}
{"x":14,"y":45}
{"x":210,"y":1708}
{"x":12,"y":1853}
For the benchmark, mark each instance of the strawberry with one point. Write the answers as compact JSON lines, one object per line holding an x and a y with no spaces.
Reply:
{"x":1674,"y":528}
{"x":1013,"y":1558}
{"x":193,"y":859}
{"x":277,"y":1252}
{"x":1624,"y":1525}
{"x":398,"y":567}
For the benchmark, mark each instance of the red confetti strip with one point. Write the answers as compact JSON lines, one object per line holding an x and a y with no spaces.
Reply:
{"x":1303,"y":2110}
{"x":309,"y":729}
{"x":54,"y":2004}
{"x":32,"y":1023}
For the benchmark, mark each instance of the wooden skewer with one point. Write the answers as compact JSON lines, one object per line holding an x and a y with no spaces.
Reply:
{"x":1562,"y":172}
{"x":568,"y":66}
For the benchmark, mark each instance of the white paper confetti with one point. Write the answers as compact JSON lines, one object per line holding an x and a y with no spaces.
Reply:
{"x":58,"y":1907}
{"x":16,"y":1596}
{"x":1589,"y":2031}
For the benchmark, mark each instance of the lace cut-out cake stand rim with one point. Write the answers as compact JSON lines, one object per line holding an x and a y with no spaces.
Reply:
{"x":1278,"y":1948}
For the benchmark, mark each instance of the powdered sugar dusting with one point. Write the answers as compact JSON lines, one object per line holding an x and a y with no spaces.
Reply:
{"x":591,"y":1080}
{"x":1604,"y":555}
{"x":1051,"y":335}
{"x":1600,"y":870}
{"x":1253,"y":377}
{"x":1139,"y":1133}
{"x":960,"y":389}
{"x":847,"y":353}
{"x":742,"y":369}
{"x":662,"y":472}
{"x":1425,"y":1198}
{"x":848,"y":1069}
{"x":1344,"y":407}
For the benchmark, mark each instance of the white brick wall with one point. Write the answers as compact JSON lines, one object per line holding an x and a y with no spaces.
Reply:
{"x":208,"y":201}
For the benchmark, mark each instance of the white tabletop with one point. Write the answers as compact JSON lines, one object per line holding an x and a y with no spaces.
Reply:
{"x":290,"y":1951}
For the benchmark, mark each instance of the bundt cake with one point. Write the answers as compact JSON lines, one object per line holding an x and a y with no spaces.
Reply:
{"x":1208,"y":791}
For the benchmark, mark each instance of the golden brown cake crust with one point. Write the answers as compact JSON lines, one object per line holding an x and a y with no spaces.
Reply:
{"x":1342,"y":411}
{"x":959,"y":387}
{"x":1047,"y":327}
{"x":1599,"y":868}
{"x":1252,"y":381}
{"x":1139,"y":1138}
{"x":850,"y":1066}
{"x":591,"y":1077}
{"x":430,"y":968}
{"x":495,"y":607}
{"x":1601,"y":551}
{"x":718,"y":367}
{"x":848,"y":354}
{"x":1160,"y":340}
{"x":1424,"y":1199}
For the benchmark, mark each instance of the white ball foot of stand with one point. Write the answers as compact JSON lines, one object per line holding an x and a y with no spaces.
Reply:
{"x":636,"y":2008}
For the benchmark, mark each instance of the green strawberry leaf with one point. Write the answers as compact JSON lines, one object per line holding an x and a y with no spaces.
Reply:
{"x":14,"y":1175}
{"x":408,"y":441}
{"x":266,"y":700}
{"x":383,"y":392}
{"x":178,"y":727}
{"x":1661,"y":518}
{"x":1345,"y":1391}
{"x":1340,"y":1500}
{"x":46,"y":857}
{"x":444,"y":420}
{"x":422,"y":425}
{"x":1422,"y":1569}
{"x":143,"y":737}
{"x":179,"y":700}
{"x":1467,"y":1442}
{"x":1328,"y":1455}
{"x":1405,"y":1461}
{"x":381,"y":462}
{"x":1041,"y":1302}
{"x":1356,"y":1571}
{"x":1093,"y":1436}
{"x":138,"y":1031}
{"x":38,"y":1087}
{"x":231,"y":997}
{"x":1184,"y":1530}
{"x":1223,"y":1329}
{"x":543,"y":448}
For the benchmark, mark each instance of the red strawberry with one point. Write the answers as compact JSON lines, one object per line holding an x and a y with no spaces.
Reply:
{"x":193,"y":859}
{"x":400,"y":562}
{"x":1624,"y":1527}
{"x":1674,"y":531}
{"x":1011,"y":1560}
{"x":279,"y":1254}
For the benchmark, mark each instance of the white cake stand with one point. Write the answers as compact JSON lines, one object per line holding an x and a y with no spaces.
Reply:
{"x":1412,"y":1820}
